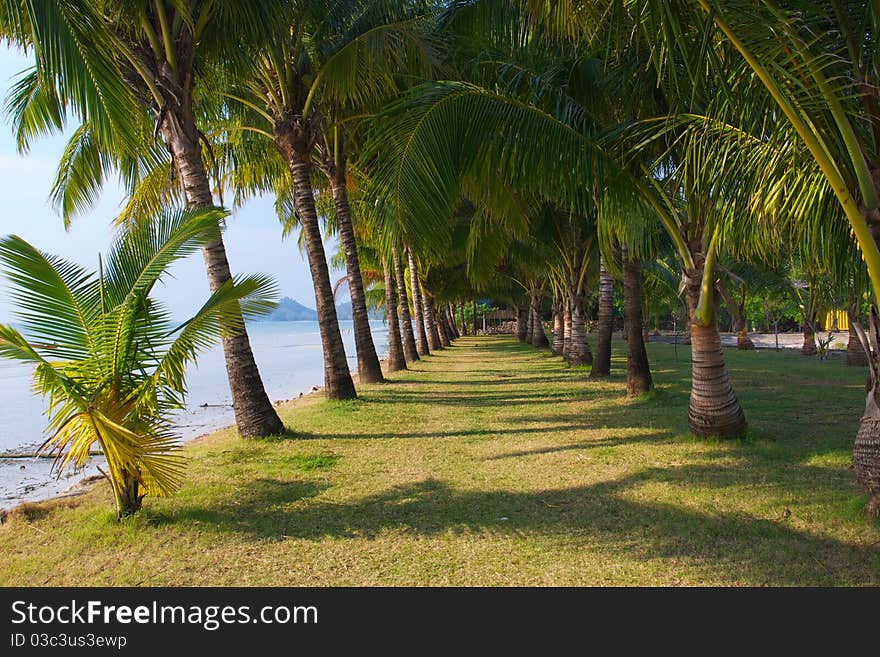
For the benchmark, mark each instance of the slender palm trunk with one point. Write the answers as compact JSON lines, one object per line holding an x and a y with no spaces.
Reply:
{"x":809,"y":348}
{"x":418,"y":307}
{"x":579,"y":349}
{"x":464,"y":328}
{"x":539,"y":337}
{"x":338,"y":383}
{"x":396,"y":359}
{"x":638,"y":370}
{"x":254,"y":413}
{"x":474,"y":318}
{"x":369,"y":369}
{"x":409,"y":340}
{"x":566,"y":327}
{"x":522,"y":322}
{"x":558,"y":327}
{"x":602,"y":360}
{"x":440,"y":324}
{"x":713,"y":409}
{"x":430,"y":315}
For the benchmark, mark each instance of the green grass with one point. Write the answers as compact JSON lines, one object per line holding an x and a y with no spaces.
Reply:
{"x":490,"y":463}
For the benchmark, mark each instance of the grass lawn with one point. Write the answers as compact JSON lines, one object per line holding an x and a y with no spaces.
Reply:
{"x":491,"y":463}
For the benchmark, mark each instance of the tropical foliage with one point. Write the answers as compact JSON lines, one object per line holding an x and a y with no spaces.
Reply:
{"x":106,"y":353}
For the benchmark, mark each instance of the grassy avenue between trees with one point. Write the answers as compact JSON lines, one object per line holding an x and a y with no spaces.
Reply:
{"x":491,"y":463}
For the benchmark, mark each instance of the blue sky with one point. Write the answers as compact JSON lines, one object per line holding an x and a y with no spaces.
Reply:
{"x":253,"y":236}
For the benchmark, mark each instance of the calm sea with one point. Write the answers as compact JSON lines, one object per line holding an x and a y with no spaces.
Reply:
{"x":290,"y":359}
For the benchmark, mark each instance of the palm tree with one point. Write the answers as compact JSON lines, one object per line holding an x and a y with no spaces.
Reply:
{"x":409,"y":341}
{"x":602,"y":359}
{"x":418,"y":306}
{"x":396,"y":359}
{"x":815,"y":61}
{"x":116,"y":65}
{"x":115,"y":369}
{"x":638,"y":371}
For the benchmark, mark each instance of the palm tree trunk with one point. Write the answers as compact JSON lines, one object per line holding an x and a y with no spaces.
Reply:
{"x":737,"y":312}
{"x":418,"y":307}
{"x":369,"y":369}
{"x":602,"y":360}
{"x":713,"y":409}
{"x":457,"y":331}
{"x":396,"y":359}
{"x":638,"y":370}
{"x":464,"y":328}
{"x":450,"y":318}
{"x":522,"y":323}
{"x":539,"y":337}
{"x":434,"y":342}
{"x":127,"y":494}
{"x":337,"y":377}
{"x":579,"y":349}
{"x":855,"y":353}
{"x":474,"y":318}
{"x":254,"y":413}
{"x":809,"y":348}
{"x":440,"y":324}
{"x":558,"y":328}
{"x":566,"y":327}
{"x":409,"y":340}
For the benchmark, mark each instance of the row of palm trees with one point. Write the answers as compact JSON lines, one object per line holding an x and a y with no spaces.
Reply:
{"x":520,"y":149}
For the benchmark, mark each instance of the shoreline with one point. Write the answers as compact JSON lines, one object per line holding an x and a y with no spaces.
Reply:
{"x":85,"y":482}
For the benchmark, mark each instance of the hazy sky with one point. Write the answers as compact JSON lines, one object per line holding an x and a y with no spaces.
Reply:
{"x":253,"y":236}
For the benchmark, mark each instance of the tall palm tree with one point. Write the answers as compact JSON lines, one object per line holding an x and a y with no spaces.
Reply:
{"x":409,"y":341}
{"x":106,"y":353}
{"x":638,"y":372}
{"x":118,"y":66}
{"x":605,"y":325}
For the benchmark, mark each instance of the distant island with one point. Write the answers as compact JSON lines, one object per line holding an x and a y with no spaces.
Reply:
{"x":291,"y":310}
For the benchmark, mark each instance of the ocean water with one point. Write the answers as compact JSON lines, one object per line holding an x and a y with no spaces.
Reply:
{"x":288,"y":354}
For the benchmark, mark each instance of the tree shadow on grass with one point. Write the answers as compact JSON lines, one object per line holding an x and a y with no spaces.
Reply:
{"x":602,"y":516}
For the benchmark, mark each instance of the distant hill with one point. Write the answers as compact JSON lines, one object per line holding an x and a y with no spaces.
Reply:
{"x":291,"y":310}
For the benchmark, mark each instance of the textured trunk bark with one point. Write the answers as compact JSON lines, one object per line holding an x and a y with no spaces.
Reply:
{"x":396,"y":359}
{"x":450,"y":323}
{"x":338,"y":383}
{"x":558,"y":328}
{"x":369,"y":369}
{"x":418,"y":308}
{"x":474,"y":318}
{"x":254,"y":413}
{"x":440,"y":323}
{"x":809,"y":348}
{"x":539,"y":337}
{"x":566,"y":324}
{"x":713,"y":409}
{"x":522,"y":323}
{"x":428,"y":306}
{"x":638,"y":370}
{"x":866,"y":457}
{"x":602,"y":359}
{"x":464,"y":329}
{"x":409,"y":341}
{"x":579,"y":349}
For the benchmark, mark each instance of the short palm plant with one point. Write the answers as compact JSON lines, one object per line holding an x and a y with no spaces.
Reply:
{"x":107,"y":355}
